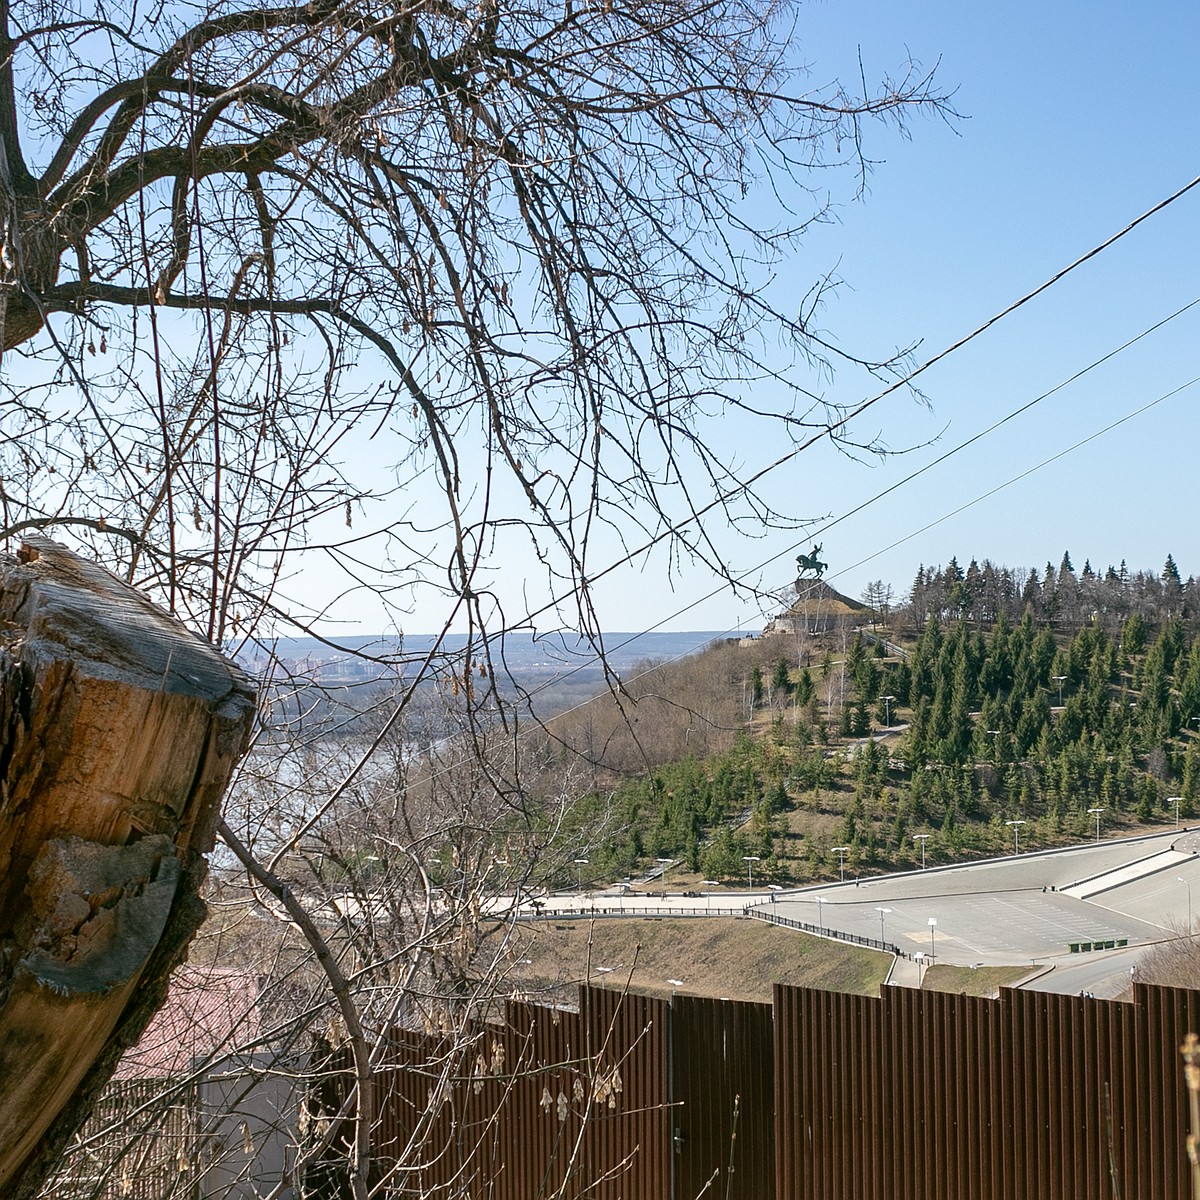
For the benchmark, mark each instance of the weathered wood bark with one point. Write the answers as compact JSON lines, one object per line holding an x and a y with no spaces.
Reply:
{"x":118,"y":734}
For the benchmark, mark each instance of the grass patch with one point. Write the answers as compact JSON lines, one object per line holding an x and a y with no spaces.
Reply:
{"x":720,"y":957}
{"x":971,"y":981}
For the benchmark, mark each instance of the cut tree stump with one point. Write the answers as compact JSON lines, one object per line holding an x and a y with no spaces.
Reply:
{"x":119,"y":731}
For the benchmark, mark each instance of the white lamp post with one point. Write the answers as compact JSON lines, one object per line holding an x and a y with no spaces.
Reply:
{"x":580,"y":863}
{"x":921,"y":837}
{"x":1187,"y":885}
{"x":1096,"y":813}
{"x":841,"y":852}
{"x":1016,"y":828}
{"x":750,"y":860}
{"x":1175,"y":801}
{"x":1059,"y":679}
{"x":883,"y":912}
{"x":932,"y":931}
{"x":887,"y":710}
{"x":820,"y":912}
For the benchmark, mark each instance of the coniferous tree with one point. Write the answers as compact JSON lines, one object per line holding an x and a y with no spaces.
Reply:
{"x":781,"y":681}
{"x":1172,"y":587}
{"x":756,"y":687}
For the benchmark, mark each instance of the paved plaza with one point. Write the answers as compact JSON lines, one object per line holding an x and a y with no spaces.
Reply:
{"x":1054,"y":911}
{"x":1026,"y":909}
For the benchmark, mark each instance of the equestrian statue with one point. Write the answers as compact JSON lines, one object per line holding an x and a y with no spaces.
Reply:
{"x":810,"y":562}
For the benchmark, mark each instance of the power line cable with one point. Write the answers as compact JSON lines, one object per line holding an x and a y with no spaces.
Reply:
{"x":1024,"y":408}
{"x":833,"y":427}
{"x":1030,"y":471}
{"x":828,"y":431}
{"x":899,"y":541}
{"x":822,"y":529}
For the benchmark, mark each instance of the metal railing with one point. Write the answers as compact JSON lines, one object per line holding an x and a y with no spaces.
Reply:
{"x":837,"y":935}
{"x":627,"y":910}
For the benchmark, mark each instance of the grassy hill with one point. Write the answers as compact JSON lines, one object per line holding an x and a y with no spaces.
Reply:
{"x":731,"y":958}
{"x":787,"y":746}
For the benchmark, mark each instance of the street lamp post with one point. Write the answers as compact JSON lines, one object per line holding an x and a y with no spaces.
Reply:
{"x":580,"y":863}
{"x":996,"y":744}
{"x":1059,"y":679}
{"x":883,"y":912}
{"x":1187,"y":885}
{"x":841,"y":852}
{"x":887,"y":710}
{"x":820,"y":912}
{"x":1175,"y":801}
{"x":1016,"y":828}
{"x":750,"y":860}
{"x":922,"y":838}
{"x":1095,"y":812}
{"x":932,"y":931}
{"x":665,"y":864}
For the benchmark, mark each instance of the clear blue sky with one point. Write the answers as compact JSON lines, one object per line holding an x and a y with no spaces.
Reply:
{"x":1076,"y":119}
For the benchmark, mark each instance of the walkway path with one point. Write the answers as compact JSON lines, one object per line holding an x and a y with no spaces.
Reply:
{"x":1093,"y":886}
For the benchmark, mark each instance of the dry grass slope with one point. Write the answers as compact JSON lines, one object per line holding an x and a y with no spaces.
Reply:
{"x":731,"y":958}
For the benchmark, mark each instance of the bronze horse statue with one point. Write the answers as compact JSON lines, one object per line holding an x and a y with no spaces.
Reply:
{"x":810,"y":562}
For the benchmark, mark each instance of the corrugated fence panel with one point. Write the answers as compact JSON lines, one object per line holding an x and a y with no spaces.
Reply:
{"x":912,"y":1096}
{"x":541,"y":1134}
{"x":628,"y":1135}
{"x":721,"y":1057}
{"x":1032,"y":1095}
{"x":423,"y":1104}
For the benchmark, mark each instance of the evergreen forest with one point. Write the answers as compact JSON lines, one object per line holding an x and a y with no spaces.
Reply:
{"x":985,"y":714}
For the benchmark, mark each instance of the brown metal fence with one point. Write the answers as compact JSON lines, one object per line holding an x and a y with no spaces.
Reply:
{"x":552,"y":1103}
{"x":629,"y":1097}
{"x":140,"y":1143}
{"x":822,"y":1096}
{"x":722,"y":1084}
{"x":928,"y":1096}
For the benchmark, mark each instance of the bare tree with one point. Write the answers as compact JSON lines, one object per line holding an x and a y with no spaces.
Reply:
{"x":508,"y":242}
{"x":471,"y":280}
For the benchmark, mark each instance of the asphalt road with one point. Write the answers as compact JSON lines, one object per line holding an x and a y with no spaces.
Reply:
{"x":1012,"y":911}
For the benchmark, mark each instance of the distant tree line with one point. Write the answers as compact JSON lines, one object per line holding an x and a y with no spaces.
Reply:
{"x":1068,"y":599}
{"x":1035,"y":696}
{"x":1096,"y":721}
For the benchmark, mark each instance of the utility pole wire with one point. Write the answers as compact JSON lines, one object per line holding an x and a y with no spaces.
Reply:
{"x":821,"y":529}
{"x":845,"y":419}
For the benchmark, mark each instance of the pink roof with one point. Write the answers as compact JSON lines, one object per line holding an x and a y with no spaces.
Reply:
{"x":209,"y":1012}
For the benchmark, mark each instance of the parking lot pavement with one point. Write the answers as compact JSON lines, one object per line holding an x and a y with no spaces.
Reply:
{"x":1010,"y":910}
{"x":993,"y":927}
{"x":1106,"y":974}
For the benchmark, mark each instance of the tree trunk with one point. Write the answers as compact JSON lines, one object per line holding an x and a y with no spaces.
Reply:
{"x":119,"y":731}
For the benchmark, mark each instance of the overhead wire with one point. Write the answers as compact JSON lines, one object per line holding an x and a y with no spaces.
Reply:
{"x":834,"y":426}
{"x":1029,"y":471}
{"x":823,"y":527}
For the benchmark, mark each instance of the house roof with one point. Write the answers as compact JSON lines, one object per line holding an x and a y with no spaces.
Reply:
{"x":208,"y":1012}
